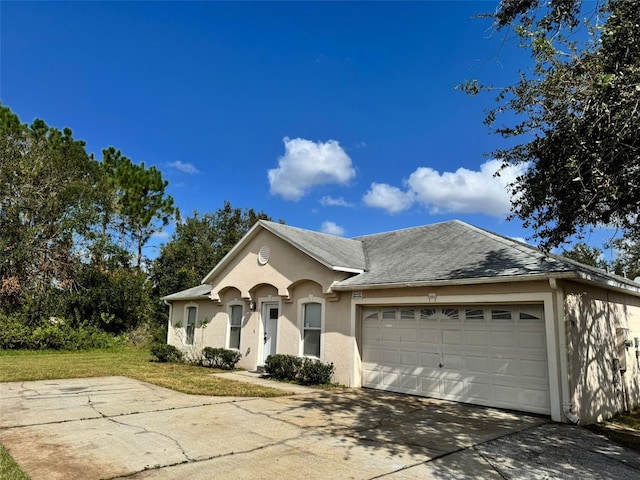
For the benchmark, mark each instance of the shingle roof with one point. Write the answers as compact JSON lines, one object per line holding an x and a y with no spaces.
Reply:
{"x":334,"y":252}
{"x":455,"y":251}
{"x":194,"y":293}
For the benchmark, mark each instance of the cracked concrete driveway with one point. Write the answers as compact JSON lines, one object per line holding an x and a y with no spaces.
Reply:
{"x":116,"y":427}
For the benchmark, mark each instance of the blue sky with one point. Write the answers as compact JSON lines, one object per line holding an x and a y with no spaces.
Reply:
{"x":336,"y":117}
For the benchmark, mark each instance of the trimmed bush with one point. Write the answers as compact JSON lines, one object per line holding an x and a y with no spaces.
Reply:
{"x":283,"y":367}
{"x":221,"y":358}
{"x":314,"y":372}
{"x":166,"y":353}
{"x":305,"y":371}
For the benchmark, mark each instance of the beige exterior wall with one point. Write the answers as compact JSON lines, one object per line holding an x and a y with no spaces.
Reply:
{"x":582,"y":323}
{"x":289,"y":279}
{"x":594,"y":317}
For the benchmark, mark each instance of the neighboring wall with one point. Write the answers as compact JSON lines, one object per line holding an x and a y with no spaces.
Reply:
{"x":598,"y":322}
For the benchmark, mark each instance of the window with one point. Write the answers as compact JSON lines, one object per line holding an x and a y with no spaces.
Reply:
{"x":312,"y":329}
{"x":235,"y":325}
{"x":191,"y":324}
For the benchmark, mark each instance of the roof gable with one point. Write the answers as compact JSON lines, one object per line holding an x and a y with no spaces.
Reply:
{"x":335,"y":253}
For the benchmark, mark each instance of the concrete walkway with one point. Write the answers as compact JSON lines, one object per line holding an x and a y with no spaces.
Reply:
{"x":115,"y":428}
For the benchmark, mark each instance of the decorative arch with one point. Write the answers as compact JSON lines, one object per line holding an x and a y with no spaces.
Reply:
{"x":216,"y":296}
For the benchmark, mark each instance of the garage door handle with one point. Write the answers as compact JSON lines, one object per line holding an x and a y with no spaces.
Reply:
{"x":440,"y":365}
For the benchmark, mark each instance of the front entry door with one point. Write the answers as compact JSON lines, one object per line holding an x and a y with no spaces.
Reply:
{"x":270,"y":330}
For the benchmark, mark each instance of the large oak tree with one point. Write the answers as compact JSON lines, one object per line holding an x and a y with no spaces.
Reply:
{"x":573,"y":118}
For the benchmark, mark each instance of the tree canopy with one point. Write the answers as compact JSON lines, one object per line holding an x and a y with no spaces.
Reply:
{"x":198,"y":244}
{"x":62,"y":214}
{"x":574,"y":116}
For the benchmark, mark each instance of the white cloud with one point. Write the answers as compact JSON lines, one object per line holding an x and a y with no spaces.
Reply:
{"x":306,"y":164}
{"x":329,"y":201}
{"x":463,"y":191}
{"x":183,"y":167}
{"x":391,"y":199}
{"x":332,"y":229}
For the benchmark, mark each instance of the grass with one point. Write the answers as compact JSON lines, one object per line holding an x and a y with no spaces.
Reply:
{"x":19,"y":366}
{"x":623,"y":429}
{"x":9,"y":469}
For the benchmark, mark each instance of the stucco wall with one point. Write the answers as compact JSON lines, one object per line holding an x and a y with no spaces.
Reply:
{"x":598,"y":388}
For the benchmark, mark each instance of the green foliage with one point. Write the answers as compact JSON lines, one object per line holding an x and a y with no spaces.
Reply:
{"x":305,"y":371}
{"x":198,"y":244}
{"x":138,"y":200}
{"x":583,"y":253}
{"x":575,"y":115}
{"x":166,"y":353}
{"x":60,"y":211}
{"x":283,"y":367}
{"x":221,"y":357}
{"x":54,"y":334}
{"x":314,"y":372}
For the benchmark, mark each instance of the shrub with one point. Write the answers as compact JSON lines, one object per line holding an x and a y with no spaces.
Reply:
{"x":305,"y":371}
{"x":55,"y":334}
{"x":283,"y":367}
{"x":166,"y":353}
{"x":221,"y":357}
{"x":314,"y":372}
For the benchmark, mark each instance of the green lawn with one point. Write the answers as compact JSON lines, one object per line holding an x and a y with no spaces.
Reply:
{"x":18,"y":366}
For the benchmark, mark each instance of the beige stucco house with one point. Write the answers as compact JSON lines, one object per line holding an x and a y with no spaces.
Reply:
{"x":448,"y":311}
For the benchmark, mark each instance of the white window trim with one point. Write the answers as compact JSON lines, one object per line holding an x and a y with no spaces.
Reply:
{"x":301,"y":303}
{"x":185,"y":323}
{"x":233,"y":303}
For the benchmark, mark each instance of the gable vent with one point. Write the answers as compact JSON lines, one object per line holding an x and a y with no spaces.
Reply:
{"x":263,"y":254}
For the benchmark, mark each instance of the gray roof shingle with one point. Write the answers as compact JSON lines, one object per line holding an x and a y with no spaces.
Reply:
{"x":194,"y":293}
{"x":334,"y":252}
{"x":455,"y":250}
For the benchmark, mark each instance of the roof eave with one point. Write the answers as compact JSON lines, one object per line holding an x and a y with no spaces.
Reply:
{"x":457,"y":281}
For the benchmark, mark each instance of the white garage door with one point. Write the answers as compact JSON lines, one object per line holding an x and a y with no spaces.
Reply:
{"x":487,"y":355}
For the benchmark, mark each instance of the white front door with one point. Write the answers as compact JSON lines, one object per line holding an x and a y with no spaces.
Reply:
{"x":270,"y":316}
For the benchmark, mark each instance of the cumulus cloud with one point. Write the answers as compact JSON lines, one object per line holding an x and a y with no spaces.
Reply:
{"x":332,"y":229}
{"x":389,"y":198}
{"x":306,"y":164}
{"x":463,"y":191}
{"x":329,"y":201}
{"x":183,"y":167}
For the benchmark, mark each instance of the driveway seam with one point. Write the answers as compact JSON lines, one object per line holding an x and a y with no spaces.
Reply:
{"x":467,"y":447}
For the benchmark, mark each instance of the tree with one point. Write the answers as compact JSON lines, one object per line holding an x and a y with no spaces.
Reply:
{"x":47,"y":207}
{"x":583,"y":253}
{"x":198,"y":244}
{"x":577,"y":116}
{"x":138,"y":200}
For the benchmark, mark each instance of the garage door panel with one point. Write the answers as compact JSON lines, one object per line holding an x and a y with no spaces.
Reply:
{"x":503,"y":339}
{"x":476,"y":338}
{"x":530,"y":340}
{"x":495,"y":357}
{"x":409,"y":335}
{"x":451,"y":337}
{"x":534,"y":368}
{"x":409,"y":358}
{"x":429,"y":335}
{"x":431,"y":360}
{"x":478,"y":391}
{"x":477,"y":364}
{"x":452,"y":362}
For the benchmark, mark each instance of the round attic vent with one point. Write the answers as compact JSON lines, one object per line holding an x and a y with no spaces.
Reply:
{"x":263,"y":254}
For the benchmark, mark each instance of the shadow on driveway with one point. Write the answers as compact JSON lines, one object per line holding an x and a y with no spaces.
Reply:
{"x":116,"y":427}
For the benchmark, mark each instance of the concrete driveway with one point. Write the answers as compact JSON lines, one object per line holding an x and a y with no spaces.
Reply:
{"x":116,"y":427}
